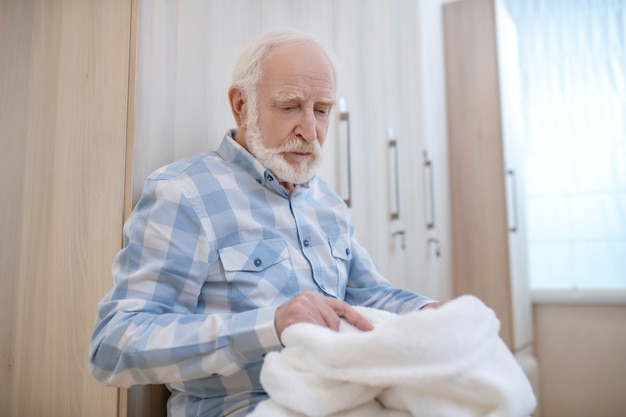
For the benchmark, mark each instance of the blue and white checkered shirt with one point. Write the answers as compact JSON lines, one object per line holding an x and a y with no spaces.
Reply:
{"x":213,"y":246}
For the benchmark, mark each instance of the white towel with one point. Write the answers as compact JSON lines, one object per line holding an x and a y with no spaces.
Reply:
{"x":445,"y":362}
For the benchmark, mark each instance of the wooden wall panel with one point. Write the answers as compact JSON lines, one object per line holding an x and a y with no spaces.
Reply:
{"x":476,"y":158}
{"x":64,"y":90}
{"x":581,"y":349}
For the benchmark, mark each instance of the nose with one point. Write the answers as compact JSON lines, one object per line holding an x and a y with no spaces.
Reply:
{"x":306,"y":126}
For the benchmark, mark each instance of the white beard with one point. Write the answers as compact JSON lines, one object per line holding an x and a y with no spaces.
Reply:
{"x":273,"y":159}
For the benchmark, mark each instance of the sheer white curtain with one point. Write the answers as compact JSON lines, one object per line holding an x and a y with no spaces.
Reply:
{"x":572,"y":57}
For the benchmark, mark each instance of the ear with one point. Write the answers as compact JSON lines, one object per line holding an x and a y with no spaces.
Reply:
{"x":238,"y":105}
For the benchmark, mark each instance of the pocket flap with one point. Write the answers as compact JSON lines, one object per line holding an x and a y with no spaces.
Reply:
{"x":253,"y":256}
{"x":340,"y":246}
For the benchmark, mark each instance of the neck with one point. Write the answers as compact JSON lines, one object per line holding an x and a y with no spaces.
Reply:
{"x":288,"y":186}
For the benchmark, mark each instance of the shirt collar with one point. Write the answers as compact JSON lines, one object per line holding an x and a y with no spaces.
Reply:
{"x":231,"y":151}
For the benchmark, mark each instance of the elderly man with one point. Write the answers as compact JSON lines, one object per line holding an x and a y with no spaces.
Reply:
{"x":225,"y":250}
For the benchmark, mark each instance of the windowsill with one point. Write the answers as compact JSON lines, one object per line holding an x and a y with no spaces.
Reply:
{"x":578,"y":297}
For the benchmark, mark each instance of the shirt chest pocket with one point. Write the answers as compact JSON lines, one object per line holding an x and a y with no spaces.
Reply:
{"x":337,"y":279}
{"x":340,"y":247}
{"x":245,"y":263}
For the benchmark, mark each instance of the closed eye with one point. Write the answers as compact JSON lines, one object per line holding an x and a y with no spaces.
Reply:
{"x":287,"y":107}
{"x":323,"y":111}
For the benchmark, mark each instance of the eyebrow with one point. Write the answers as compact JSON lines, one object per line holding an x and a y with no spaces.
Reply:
{"x":287,"y":97}
{"x":327,"y":100}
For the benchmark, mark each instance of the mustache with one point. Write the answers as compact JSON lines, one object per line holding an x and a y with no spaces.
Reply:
{"x":300,"y":145}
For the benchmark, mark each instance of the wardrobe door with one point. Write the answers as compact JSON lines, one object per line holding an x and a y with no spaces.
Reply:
{"x":64,"y":69}
{"x":408,"y":188}
{"x":381,"y":79}
{"x":477,"y":173}
{"x":488,"y":223}
{"x":360,"y":50}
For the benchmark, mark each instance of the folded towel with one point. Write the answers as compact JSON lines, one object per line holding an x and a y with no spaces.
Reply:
{"x":445,"y":362}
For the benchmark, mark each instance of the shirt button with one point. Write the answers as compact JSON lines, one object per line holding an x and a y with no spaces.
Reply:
{"x":259,"y":181}
{"x":269,"y":177}
{"x":306,"y":243}
{"x":347,"y":251}
{"x":257,"y":262}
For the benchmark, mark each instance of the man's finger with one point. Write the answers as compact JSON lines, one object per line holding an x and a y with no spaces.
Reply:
{"x":349,"y":314}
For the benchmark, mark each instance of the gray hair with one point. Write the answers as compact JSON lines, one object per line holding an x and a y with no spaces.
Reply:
{"x":249,"y":67}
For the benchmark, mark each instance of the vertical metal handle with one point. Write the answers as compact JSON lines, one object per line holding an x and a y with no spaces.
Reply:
{"x":430,"y":192}
{"x":344,"y":118}
{"x":395,"y":175}
{"x":513,"y":227}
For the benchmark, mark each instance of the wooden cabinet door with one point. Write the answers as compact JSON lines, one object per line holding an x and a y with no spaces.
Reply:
{"x":63,"y":110}
{"x":489,"y":250}
{"x":479,"y":220}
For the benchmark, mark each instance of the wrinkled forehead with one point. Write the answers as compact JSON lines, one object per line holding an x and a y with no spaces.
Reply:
{"x":304,"y":60}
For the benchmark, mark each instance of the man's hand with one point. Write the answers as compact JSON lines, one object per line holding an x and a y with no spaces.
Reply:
{"x":312,"y":307}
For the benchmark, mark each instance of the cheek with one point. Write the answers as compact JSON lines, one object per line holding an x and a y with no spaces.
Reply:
{"x":321,"y":138}
{"x":322,"y":130}
{"x":276,"y":132}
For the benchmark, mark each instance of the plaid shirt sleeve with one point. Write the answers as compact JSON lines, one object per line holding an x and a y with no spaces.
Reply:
{"x":148,"y":330}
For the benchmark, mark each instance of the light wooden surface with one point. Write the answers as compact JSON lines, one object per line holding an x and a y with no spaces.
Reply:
{"x":581,"y":349}
{"x":63,"y":96}
{"x":477,"y":187}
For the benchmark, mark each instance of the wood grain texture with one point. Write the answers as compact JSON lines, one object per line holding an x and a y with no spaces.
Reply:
{"x":476,"y":158}
{"x":64,"y":79}
{"x":581,"y":349}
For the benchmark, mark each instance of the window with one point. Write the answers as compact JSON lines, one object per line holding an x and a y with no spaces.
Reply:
{"x":572,"y":56}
